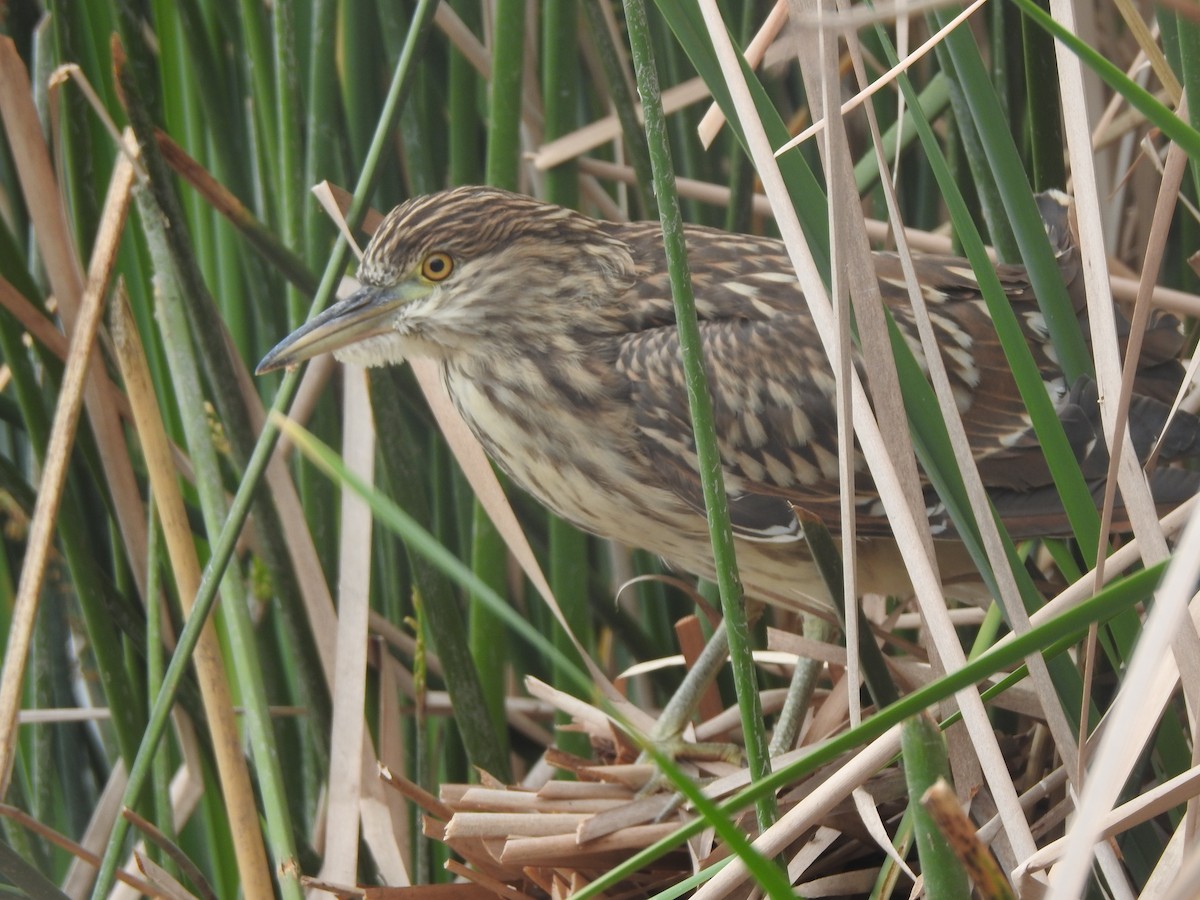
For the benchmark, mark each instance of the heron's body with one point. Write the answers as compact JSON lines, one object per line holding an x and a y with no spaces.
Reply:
{"x":556,"y":339}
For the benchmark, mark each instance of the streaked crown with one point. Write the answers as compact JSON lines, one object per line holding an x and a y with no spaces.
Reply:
{"x":474,"y":223}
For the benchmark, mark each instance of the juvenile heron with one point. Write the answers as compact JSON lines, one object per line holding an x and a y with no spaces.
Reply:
{"x":555,"y":336}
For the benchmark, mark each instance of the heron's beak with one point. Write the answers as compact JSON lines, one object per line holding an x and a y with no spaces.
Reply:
{"x":367,"y":312}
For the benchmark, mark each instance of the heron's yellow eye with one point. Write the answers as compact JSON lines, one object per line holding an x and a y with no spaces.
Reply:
{"x":437,"y":266}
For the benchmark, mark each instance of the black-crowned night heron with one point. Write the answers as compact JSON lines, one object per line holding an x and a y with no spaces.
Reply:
{"x":555,"y":335}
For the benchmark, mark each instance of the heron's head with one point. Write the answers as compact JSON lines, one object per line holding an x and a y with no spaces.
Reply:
{"x":465,"y":270}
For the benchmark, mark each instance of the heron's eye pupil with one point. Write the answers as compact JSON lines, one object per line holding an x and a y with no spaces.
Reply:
{"x":437,"y":266}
